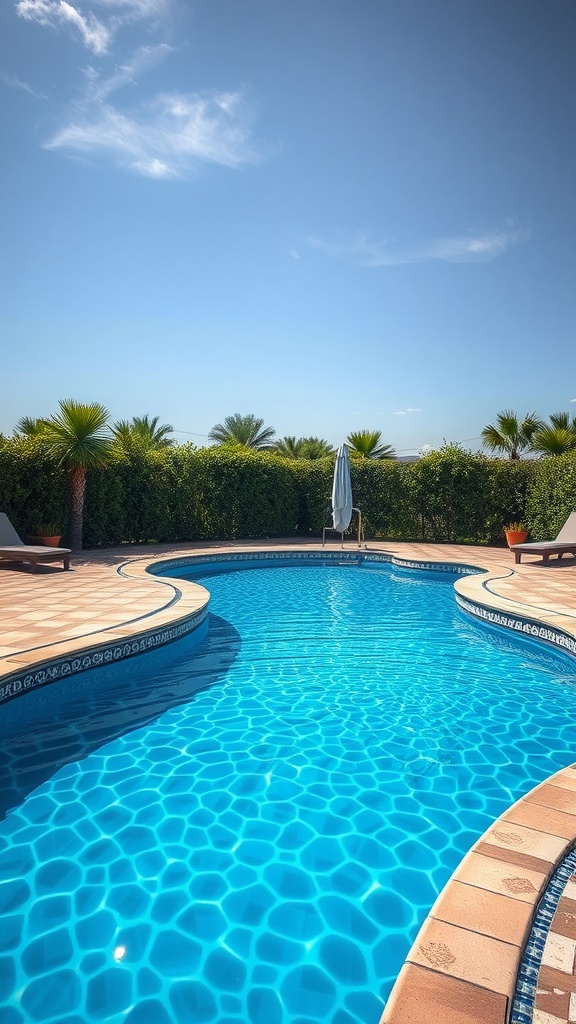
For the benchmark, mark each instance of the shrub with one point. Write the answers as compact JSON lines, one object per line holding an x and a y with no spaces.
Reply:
{"x":551,"y":495}
{"x":183,"y":493}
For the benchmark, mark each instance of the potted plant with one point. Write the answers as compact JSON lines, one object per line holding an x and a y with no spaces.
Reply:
{"x":515,"y":534}
{"x":48,"y":534}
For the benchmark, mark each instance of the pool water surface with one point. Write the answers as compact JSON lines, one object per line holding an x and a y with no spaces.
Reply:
{"x":261,"y":839}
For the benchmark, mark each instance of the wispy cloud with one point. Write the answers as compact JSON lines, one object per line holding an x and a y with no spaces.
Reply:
{"x":57,"y":14}
{"x":472,"y":247}
{"x":294,"y":254}
{"x":144,"y":58}
{"x":95,"y":33}
{"x":166,"y":137}
{"x":405,"y":412}
{"x":141,"y":9}
{"x":16,"y":83}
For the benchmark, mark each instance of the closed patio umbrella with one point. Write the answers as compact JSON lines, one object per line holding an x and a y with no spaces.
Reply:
{"x":342,"y":491}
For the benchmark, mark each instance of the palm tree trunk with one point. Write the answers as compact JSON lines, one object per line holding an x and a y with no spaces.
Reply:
{"x":77,"y":489}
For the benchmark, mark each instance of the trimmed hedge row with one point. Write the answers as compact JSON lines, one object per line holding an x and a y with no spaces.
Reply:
{"x":188,"y":494}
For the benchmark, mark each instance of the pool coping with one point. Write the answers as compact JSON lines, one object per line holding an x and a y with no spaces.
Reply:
{"x":464,"y":963}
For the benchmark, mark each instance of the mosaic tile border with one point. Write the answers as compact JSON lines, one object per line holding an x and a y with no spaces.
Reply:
{"x":352,"y":557}
{"x":525,"y":995}
{"x":17,"y":683}
{"x":175,"y":598}
{"x":519,"y":624}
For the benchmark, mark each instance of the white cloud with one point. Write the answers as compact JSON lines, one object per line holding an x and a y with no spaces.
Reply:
{"x":16,"y":83}
{"x":405,"y":412}
{"x":478,"y":247}
{"x":166,"y":137}
{"x":140,"y":9}
{"x":56,"y":13}
{"x":294,"y":254}
{"x":95,"y":33}
{"x":141,"y":61}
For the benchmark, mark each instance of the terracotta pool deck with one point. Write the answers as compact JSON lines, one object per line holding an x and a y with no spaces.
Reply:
{"x":463,"y":966}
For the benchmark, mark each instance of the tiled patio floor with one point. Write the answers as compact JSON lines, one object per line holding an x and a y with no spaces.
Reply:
{"x":463,"y":965}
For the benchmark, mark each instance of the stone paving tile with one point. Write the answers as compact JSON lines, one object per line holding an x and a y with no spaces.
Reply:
{"x":487,"y":913}
{"x":467,"y":955}
{"x":556,"y":988}
{"x":426,"y":997}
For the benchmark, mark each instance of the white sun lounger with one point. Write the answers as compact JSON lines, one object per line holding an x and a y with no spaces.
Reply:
{"x":565,"y":543}
{"x":13,"y":549}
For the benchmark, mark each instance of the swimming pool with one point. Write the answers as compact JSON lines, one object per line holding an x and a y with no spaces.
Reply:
{"x":265,"y":849}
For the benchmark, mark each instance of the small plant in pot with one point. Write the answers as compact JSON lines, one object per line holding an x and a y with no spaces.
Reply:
{"x":515,"y":534}
{"x":48,"y":534}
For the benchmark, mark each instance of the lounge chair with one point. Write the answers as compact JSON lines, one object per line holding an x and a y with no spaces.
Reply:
{"x":12,"y":549}
{"x":565,"y":543}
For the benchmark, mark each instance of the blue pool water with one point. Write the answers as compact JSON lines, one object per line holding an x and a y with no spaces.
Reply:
{"x":254,"y":833}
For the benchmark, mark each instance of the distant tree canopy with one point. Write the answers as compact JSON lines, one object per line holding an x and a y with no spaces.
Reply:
{"x":30,"y":426}
{"x":511,"y":436}
{"x":248,"y":431}
{"x":144,"y":432}
{"x":514,"y":437}
{"x":557,"y":438}
{"x":366,"y":444}
{"x":302,"y":448}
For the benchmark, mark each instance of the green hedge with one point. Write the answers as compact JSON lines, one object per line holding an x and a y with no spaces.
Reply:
{"x":32,"y":491}
{"x":189,"y":494}
{"x":551,"y":495}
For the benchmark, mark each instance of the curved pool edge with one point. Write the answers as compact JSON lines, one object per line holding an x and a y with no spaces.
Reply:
{"x":476,"y":958}
{"x":464,"y":975}
{"x":487,"y":582}
{"x":180,"y":611}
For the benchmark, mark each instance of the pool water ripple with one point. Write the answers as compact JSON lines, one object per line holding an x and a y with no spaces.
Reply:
{"x":265,"y":849}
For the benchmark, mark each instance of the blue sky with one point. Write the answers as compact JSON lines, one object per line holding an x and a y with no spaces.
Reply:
{"x":334,"y":214}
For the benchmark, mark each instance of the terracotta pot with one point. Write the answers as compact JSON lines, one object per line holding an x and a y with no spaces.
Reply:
{"x":515,"y":537}
{"x":49,"y":542}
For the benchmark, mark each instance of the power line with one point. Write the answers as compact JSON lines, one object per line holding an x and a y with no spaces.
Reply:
{"x":190,"y":433}
{"x":415,"y":448}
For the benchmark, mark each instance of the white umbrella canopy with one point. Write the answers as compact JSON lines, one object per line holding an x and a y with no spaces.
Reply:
{"x":342,"y":491}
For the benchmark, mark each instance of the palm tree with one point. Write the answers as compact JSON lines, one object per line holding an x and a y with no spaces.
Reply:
{"x":244,"y":430}
{"x":30,"y":426}
{"x":510,"y":435}
{"x":315,"y":448}
{"x":143,"y":431}
{"x":365,"y":444}
{"x":287,"y":447}
{"x":77,"y":440}
{"x":562,"y":421}
{"x":557,"y":438}
{"x":302,"y":448}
